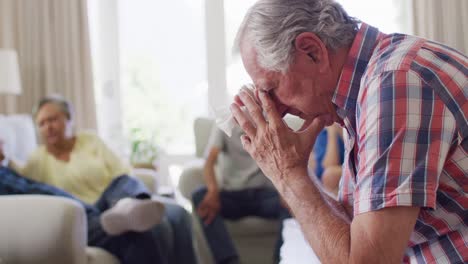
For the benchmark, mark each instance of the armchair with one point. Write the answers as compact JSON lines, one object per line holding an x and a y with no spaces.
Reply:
{"x":45,"y":229}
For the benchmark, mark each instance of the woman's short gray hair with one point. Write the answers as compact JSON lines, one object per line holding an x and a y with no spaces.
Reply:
{"x":64,"y":105}
{"x":271,"y":26}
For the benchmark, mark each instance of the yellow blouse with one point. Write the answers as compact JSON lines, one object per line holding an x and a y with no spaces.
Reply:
{"x":91,"y":168}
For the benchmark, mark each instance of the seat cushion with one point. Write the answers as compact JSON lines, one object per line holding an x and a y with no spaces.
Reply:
{"x":19,"y":136}
{"x":253,"y":226}
{"x":295,"y":248}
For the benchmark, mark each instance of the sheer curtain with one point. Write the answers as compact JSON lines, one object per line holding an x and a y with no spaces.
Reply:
{"x":52,"y":41}
{"x":442,"y":21}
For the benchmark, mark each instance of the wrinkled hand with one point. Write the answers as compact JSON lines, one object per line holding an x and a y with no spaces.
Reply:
{"x":278,"y":150}
{"x":209,"y":207}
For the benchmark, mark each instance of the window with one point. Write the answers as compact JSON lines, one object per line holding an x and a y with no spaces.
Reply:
{"x":163,"y":68}
{"x":235,"y":72}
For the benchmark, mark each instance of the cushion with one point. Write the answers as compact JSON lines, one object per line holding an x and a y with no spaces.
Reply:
{"x":19,"y":135}
{"x":295,"y":248}
{"x":42,"y":229}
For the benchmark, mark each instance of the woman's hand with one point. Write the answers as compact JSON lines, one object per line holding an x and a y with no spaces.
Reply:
{"x":279,"y":151}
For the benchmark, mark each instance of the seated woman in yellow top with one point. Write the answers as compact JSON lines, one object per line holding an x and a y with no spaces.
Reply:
{"x":81,"y":164}
{"x":121,"y":214}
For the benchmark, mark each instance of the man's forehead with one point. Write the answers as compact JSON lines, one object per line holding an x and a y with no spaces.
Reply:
{"x":261,"y":77}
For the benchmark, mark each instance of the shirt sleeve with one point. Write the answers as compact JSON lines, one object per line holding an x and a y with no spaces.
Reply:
{"x":404,"y":135}
{"x":216,"y":140}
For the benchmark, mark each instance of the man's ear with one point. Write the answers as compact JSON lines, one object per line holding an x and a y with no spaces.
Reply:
{"x":312,"y":46}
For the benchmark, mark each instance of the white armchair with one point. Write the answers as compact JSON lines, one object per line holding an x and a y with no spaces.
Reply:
{"x":49,"y":229}
{"x":46,"y":229}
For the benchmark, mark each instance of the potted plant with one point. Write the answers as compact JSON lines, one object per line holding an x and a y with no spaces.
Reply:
{"x":144,"y":152}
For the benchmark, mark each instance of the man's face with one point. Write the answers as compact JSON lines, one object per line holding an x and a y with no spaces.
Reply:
{"x":52,"y":124}
{"x":301,"y":91}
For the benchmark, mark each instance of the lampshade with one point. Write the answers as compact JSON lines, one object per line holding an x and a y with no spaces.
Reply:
{"x":10,"y":81}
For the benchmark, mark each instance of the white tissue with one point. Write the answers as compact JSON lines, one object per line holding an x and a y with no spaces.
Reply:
{"x":223,"y":116}
{"x":224,"y":120}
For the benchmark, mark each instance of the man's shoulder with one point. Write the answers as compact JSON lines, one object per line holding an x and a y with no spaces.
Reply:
{"x":395,"y":52}
{"x":423,"y":67}
{"x":407,"y":53}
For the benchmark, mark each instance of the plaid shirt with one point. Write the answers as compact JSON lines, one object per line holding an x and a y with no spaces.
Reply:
{"x":403,"y":101}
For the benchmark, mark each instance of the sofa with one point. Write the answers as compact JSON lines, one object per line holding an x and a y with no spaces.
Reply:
{"x":253,"y":237}
{"x":45,"y":229}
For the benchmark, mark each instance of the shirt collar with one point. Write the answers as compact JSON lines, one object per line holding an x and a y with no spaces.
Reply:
{"x":347,"y":90}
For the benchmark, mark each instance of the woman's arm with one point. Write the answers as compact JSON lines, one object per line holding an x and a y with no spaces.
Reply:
{"x":32,"y":169}
{"x":332,"y":166}
{"x":332,"y":154}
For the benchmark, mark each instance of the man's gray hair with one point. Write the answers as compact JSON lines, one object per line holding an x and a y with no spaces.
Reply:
{"x":272,"y":26}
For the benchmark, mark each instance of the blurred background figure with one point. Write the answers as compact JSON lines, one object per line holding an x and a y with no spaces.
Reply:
{"x":328,"y":157}
{"x":243,"y":191}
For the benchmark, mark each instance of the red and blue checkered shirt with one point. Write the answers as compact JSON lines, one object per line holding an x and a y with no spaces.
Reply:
{"x":403,"y":101}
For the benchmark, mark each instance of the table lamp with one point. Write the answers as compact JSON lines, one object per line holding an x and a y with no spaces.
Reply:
{"x":10,"y":81}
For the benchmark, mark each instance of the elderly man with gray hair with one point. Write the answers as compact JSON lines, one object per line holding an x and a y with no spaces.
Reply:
{"x":403,"y":103}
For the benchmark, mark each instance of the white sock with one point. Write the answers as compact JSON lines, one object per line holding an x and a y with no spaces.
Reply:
{"x":131,"y":214}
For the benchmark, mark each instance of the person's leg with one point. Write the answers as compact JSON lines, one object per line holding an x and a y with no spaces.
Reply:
{"x":127,"y":206}
{"x":132,"y":247}
{"x":181,"y":223}
{"x":267,"y":203}
{"x":11,"y":183}
{"x":216,"y":234}
{"x":164,"y":234}
{"x":122,"y":187}
{"x":151,"y":246}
